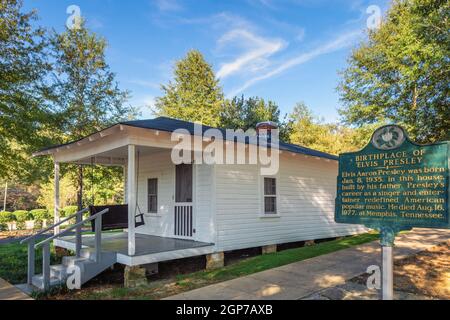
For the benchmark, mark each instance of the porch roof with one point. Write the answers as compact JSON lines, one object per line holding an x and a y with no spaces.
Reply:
{"x":170,"y":125}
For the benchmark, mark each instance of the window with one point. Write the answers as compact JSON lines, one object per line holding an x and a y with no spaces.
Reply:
{"x":152,"y":187}
{"x":270,"y":196}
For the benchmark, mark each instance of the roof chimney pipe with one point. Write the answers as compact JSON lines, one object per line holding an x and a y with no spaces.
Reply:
{"x":266,"y":125}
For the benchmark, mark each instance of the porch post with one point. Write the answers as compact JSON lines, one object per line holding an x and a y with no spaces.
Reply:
{"x":56,"y":198}
{"x":131,"y":195}
{"x":125,"y":181}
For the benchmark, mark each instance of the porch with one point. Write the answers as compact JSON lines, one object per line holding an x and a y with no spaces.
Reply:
{"x":149,"y":248}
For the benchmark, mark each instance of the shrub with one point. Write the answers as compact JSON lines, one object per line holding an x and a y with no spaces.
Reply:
{"x":39,"y":216}
{"x":22,"y":215}
{"x":6,"y":217}
{"x":68,"y":211}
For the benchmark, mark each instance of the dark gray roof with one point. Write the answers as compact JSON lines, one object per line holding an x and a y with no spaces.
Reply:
{"x":170,"y":125}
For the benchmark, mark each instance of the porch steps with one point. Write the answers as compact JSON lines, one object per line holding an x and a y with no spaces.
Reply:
{"x":89,"y":268}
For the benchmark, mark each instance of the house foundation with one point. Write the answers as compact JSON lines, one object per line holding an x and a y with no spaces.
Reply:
{"x":269,"y":249}
{"x":215,"y":260}
{"x":135,"y":276}
{"x":309,"y":243}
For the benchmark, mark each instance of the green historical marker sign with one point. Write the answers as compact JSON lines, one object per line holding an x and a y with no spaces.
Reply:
{"x":394,"y":184}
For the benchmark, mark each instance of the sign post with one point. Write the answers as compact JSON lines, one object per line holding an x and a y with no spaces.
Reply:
{"x":394,"y":184}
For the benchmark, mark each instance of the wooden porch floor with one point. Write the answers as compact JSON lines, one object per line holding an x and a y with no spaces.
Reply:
{"x":145,"y":244}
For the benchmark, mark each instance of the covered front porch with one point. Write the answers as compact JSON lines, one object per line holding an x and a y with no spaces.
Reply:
{"x":148,"y":248}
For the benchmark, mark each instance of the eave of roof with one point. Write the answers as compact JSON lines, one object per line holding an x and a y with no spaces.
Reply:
{"x":170,"y":125}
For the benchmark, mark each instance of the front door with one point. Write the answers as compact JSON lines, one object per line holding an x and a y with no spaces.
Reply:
{"x":183,"y":211}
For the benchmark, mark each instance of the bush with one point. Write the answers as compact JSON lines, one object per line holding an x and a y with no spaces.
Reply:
{"x":22,"y":215}
{"x":6,"y":217}
{"x":40,"y":214}
{"x":68,"y":211}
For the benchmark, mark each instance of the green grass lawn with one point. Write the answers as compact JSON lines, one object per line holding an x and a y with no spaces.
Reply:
{"x":13,"y":262}
{"x":163,"y":288}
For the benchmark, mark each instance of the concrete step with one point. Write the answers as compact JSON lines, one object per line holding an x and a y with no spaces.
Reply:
{"x":38,"y":281}
{"x":87,"y":265}
{"x":58,"y":271}
{"x":72,"y":260}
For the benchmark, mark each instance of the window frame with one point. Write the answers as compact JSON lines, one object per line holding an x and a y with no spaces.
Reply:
{"x":263,"y":196}
{"x":154,"y":195}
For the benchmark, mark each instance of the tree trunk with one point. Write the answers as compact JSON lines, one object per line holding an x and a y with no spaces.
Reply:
{"x":80,"y":187}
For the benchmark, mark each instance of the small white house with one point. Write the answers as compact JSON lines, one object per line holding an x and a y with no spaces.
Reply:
{"x":196,"y":208}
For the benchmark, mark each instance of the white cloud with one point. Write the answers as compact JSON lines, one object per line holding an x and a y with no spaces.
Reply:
{"x":256,"y":51}
{"x":340,"y":42}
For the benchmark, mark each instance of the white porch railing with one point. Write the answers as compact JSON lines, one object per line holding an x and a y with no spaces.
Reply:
{"x":183,"y":220}
{"x":45,"y":244}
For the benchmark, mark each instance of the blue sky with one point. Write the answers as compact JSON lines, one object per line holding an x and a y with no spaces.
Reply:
{"x":283,"y":50}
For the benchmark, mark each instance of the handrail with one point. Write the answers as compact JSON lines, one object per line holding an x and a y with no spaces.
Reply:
{"x":95,"y":216}
{"x":54,"y":225}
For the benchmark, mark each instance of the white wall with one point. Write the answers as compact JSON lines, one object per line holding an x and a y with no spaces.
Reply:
{"x":157,"y":166}
{"x":160,"y":166}
{"x":306,"y":195}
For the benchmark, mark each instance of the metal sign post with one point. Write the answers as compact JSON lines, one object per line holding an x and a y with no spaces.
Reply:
{"x":388,"y":273}
{"x":387,"y":247}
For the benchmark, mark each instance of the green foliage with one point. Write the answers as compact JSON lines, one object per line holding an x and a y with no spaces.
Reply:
{"x":40,"y":214}
{"x":86,"y":94}
{"x":68,"y":211}
{"x":67,"y":192}
{"x":401,"y":73}
{"x":6,"y":217}
{"x":21,"y":217}
{"x":103,"y":185}
{"x":241,"y":113}
{"x":309,"y":131}
{"x":24,"y":115}
{"x":54,"y":88}
{"x":194,"y":95}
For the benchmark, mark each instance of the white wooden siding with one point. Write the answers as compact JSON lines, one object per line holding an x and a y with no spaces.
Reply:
{"x":203,"y":211}
{"x":160,"y":166}
{"x":306,"y":194}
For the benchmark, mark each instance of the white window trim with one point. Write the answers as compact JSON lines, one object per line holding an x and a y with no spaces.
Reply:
{"x":158,"y":211}
{"x":262,"y":213}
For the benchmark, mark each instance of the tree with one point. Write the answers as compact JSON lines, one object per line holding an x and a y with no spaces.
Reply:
{"x":310,"y":131}
{"x":401,"y":73}
{"x":241,"y":113}
{"x":25,"y":117}
{"x":85,"y":93}
{"x":194,"y":94}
